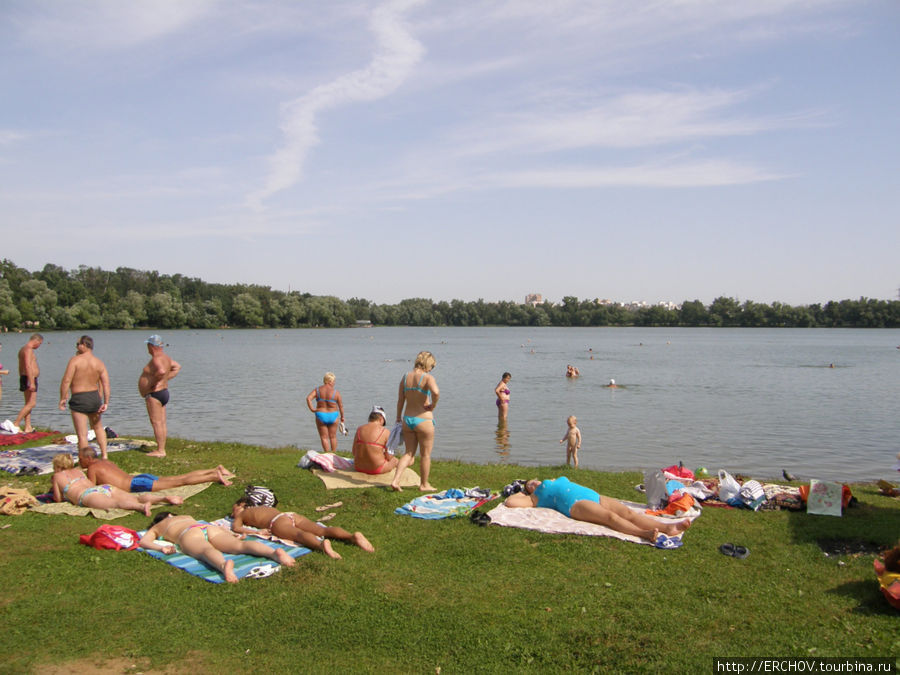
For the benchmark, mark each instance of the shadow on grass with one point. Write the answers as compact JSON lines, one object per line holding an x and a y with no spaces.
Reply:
{"x":871,"y":600}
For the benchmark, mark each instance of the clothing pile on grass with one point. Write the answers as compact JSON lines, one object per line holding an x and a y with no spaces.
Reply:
{"x":452,"y":503}
{"x":675,"y":490}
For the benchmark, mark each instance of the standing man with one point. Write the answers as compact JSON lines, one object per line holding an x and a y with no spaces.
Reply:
{"x":28,"y":380}
{"x":86,"y":376}
{"x":153,"y":385}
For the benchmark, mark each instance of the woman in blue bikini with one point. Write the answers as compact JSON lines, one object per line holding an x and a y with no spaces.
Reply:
{"x":329,"y":409}
{"x":419,"y":393}
{"x":581,"y":503}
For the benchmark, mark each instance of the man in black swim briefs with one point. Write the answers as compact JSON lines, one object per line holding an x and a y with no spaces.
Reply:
{"x":88,"y":380}
{"x":28,"y":381}
{"x":153,"y":385}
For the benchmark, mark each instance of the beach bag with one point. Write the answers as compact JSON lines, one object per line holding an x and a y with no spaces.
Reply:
{"x":114,"y":537}
{"x":260,"y":496}
{"x":729,"y":488}
{"x":655,"y":489}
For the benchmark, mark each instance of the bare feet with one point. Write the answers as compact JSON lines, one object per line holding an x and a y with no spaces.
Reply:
{"x":223,"y":479}
{"x":360,"y":540}
{"x":282,"y":557}
{"x":225,"y":472}
{"x":654,"y":535}
{"x":330,"y":552}
{"x":28,"y":431}
{"x":396,"y":488}
{"x":427,"y":488}
{"x":682,"y":526}
{"x":230,"y":576}
{"x":175,"y":500}
{"x":147,"y":509}
{"x":157,"y":453}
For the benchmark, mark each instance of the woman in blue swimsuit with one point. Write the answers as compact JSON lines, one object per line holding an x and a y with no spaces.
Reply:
{"x":581,"y":503}
{"x":329,"y":409}
{"x":419,"y":394}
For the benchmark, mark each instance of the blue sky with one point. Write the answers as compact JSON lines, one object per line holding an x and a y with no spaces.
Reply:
{"x":652,"y":151}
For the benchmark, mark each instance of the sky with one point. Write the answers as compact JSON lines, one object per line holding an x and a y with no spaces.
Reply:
{"x":657,"y":151}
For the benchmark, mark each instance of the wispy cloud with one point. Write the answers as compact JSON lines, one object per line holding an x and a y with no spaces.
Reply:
{"x":396,"y":54}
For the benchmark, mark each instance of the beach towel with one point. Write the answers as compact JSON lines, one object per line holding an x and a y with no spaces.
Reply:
{"x":451,"y":503}
{"x":550,"y":521}
{"x":327,"y":460}
{"x":354,"y":479}
{"x":38,"y":460}
{"x":65,"y":508}
{"x":18,"y":439}
{"x":245,"y":566}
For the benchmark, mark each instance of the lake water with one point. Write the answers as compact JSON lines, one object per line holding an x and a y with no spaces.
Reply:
{"x":747,"y":400}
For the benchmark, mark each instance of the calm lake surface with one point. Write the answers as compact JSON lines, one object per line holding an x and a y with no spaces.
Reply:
{"x":747,"y":400}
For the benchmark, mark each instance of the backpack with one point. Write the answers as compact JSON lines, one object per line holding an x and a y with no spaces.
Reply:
{"x":113,"y":537}
{"x":260,"y":496}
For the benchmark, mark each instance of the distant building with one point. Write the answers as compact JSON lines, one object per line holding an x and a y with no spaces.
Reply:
{"x":534,"y":299}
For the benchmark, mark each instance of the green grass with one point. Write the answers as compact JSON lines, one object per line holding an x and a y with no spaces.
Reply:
{"x":442,"y":596}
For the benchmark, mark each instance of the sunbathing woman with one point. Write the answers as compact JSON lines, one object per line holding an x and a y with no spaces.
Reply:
{"x":206,"y":542}
{"x":329,"y":409}
{"x":581,"y":503}
{"x":293,"y":527}
{"x":419,"y":393}
{"x":70,"y":484}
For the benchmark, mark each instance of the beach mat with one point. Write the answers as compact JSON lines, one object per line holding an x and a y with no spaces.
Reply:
{"x":38,"y":460}
{"x":18,"y":439}
{"x":244,"y":565}
{"x":67,"y":509}
{"x":553,"y":522}
{"x":438,"y":506}
{"x":340,"y":478}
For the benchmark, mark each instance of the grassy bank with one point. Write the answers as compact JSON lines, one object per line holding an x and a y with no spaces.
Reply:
{"x":444,"y":595}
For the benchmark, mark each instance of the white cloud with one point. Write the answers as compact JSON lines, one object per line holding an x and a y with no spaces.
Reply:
{"x":397,"y":53}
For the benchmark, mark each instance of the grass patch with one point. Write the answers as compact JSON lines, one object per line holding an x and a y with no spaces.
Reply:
{"x":445,"y":594}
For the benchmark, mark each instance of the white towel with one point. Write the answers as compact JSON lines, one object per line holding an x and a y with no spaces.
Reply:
{"x":395,"y":438}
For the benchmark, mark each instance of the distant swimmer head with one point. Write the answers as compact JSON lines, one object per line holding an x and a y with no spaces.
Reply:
{"x":612,"y":383}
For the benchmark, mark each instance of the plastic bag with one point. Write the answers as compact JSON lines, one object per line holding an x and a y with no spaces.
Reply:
{"x":729,"y":488}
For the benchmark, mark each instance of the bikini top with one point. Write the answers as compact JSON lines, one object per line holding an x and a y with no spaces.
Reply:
{"x":357,"y":439}
{"x":326,"y":400}
{"x":418,"y":387}
{"x":65,"y":490}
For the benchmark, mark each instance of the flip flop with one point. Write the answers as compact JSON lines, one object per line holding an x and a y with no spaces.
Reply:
{"x":739,"y":552}
{"x":727,"y":549}
{"x":262,"y":571}
{"x":327,"y":517}
{"x":664,"y":541}
{"x":329,"y":506}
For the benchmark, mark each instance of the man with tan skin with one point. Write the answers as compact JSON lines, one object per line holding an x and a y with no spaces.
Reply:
{"x":28,"y":380}
{"x":88,"y":380}
{"x":153,"y":385}
{"x":104,"y":471}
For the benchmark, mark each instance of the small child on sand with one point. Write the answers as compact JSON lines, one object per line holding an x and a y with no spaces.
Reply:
{"x":572,"y":440}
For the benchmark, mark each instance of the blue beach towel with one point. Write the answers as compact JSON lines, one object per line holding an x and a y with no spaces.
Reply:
{"x":447,"y":504}
{"x":245,"y":566}
{"x":38,"y":460}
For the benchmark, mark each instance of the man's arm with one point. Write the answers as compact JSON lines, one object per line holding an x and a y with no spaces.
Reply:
{"x":66,"y":382}
{"x":174,"y":368}
{"x":104,"y":389}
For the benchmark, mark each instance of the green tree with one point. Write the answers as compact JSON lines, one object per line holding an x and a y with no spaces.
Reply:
{"x":246,"y":311}
{"x":10,"y":316}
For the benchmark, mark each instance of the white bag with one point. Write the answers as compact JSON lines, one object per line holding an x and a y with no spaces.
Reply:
{"x":729,"y":488}
{"x":396,"y":437}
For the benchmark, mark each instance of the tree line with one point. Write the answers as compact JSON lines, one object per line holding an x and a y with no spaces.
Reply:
{"x":93,"y":298}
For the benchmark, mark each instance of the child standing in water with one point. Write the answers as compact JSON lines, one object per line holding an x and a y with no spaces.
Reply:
{"x":572,"y":440}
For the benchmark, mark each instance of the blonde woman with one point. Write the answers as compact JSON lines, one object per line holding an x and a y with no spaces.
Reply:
{"x":71,"y":485}
{"x":329,"y":409}
{"x":419,"y":395}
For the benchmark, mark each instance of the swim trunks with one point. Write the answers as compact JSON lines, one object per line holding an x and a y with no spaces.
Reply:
{"x":327,"y":417}
{"x":105,"y":490}
{"x":561,"y":494}
{"x":143,"y":482}
{"x":86,"y":402}
{"x":162,"y":396}
{"x":23,"y":383}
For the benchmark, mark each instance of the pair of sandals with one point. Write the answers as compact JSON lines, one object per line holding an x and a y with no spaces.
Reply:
{"x":734,"y":551}
{"x":480,"y":518}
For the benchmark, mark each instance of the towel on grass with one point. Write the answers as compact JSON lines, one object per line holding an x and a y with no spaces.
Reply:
{"x":355,"y":479}
{"x":17,"y":439}
{"x":244,"y":565}
{"x":38,"y":460}
{"x":65,"y":508}
{"x":447,"y":504}
{"x":548,"y":520}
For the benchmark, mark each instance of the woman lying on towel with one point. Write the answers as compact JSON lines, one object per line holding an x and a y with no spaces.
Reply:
{"x":206,"y":542}
{"x":70,"y":484}
{"x":581,"y":503}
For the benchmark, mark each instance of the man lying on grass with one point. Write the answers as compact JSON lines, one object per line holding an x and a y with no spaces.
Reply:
{"x":105,"y":471}
{"x":293,"y":527}
{"x":206,"y":542}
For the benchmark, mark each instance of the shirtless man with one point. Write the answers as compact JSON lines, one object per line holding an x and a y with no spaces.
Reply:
{"x":293,"y":527}
{"x":206,"y":542}
{"x":86,"y":376}
{"x":153,"y":385}
{"x":105,"y":471}
{"x":28,"y":380}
